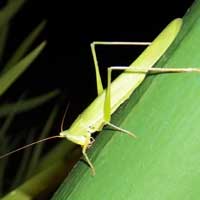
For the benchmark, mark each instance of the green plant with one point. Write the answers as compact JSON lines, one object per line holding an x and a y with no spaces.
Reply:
{"x":164,"y":112}
{"x":11,"y":69}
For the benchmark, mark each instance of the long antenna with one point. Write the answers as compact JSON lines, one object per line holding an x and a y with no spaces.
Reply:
{"x":63,"y":119}
{"x":29,"y":145}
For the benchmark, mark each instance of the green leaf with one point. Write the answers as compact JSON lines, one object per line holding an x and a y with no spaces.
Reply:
{"x":21,"y":173}
{"x":63,"y":150}
{"x":3,"y":39}
{"x":6,"y":14}
{"x":26,"y":105}
{"x":39,"y":184}
{"x":9,"y":11}
{"x":34,"y":161}
{"x":25,"y":45}
{"x":163,"y":163}
{"x":7,"y":78}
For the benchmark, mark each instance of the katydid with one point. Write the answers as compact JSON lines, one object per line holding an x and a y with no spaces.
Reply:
{"x":98,"y":113}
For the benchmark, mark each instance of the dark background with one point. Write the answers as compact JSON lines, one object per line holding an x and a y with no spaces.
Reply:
{"x":66,"y":62}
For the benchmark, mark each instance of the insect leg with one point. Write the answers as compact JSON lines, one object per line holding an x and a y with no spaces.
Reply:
{"x":121,"y":129}
{"x":154,"y":70}
{"x":84,"y":148}
{"x":94,"y":55}
{"x":107,"y":104}
{"x":98,"y":76}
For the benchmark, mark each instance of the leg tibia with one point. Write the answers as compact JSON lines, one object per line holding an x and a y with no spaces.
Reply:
{"x":94,"y":55}
{"x":88,"y":160}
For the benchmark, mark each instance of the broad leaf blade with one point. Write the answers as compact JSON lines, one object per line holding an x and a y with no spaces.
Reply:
{"x":163,"y":163}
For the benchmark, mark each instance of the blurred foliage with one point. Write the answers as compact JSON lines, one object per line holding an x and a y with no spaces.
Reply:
{"x":16,"y":127}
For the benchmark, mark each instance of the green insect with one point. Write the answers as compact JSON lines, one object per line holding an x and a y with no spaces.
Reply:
{"x":98,"y":113}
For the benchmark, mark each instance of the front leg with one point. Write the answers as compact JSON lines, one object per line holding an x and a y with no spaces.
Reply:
{"x":84,"y":148}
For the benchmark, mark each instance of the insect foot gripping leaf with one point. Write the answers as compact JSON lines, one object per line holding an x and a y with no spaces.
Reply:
{"x":84,"y":139}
